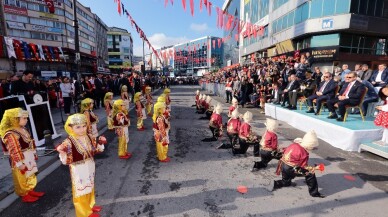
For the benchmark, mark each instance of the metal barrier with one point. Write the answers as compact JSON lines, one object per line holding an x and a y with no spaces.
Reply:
{"x":214,"y":88}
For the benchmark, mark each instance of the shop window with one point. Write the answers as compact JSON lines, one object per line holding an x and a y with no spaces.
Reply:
{"x":328,"y":7}
{"x":298,"y":15}
{"x":354,"y":5}
{"x":363,"y":7}
{"x":371,"y":7}
{"x":346,"y":40}
{"x":305,"y":11}
{"x":316,"y":8}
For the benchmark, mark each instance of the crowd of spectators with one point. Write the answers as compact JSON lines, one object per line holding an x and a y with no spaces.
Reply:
{"x":292,"y":80}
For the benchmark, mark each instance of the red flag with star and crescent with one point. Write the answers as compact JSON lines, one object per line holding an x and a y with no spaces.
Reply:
{"x":50,"y":5}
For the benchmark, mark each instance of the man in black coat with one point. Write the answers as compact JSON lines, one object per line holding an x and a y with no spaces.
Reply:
{"x":350,"y":94}
{"x":292,"y":86}
{"x":99,"y":91}
{"x":325,"y":91}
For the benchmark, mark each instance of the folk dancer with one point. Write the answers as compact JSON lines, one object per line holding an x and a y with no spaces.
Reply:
{"x":140,"y":111}
{"x":108,"y":104}
{"x":269,"y":146}
{"x":295,"y":163}
{"x":233,"y":106}
{"x":149,"y":103}
{"x":18,"y":144}
{"x":197,"y":94}
{"x":232,"y":129}
{"x":208,"y":108}
{"x":124,"y":96}
{"x":91,"y":118}
{"x":121,"y":123}
{"x":247,"y":137}
{"x":160,"y":127}
{"x":215,"y":123}
{"x":78,"y":152}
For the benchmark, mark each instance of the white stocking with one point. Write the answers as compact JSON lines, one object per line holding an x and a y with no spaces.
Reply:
{"x":385,"y":136}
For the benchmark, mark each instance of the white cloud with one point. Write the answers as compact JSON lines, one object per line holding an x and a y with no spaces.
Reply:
{"x":199,"y":27}
{"x":157,"y":40}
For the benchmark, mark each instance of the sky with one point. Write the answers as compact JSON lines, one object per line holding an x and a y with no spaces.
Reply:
{"x":162,"y":25}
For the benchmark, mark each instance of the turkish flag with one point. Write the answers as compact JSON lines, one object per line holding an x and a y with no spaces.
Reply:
{"x":50,"y":5}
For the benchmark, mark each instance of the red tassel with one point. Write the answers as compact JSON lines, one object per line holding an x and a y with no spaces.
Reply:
{"x":192,"y":7}
{"x":184,"y":4}
{"x":200,"y":5}
{"x":209,"y":8}
{"x":119,"y":6}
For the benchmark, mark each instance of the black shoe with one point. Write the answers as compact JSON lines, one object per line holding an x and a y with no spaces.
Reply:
{"x":289,"y":106}
{"x":310,"y":111}
{"x":293,"y":108}
{"x":318,"y":195}
{"x":332,"y":117}
{"x":340,"y":119}
{"x":316,"y":113}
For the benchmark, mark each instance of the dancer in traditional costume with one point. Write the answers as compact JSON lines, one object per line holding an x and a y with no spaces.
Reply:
{"x":233,"y":106}
{"x":232,"y":129}
{"x":247,"y":137}
{"x":382,"y":117}
{"x":215,"y":123}
{"x":201,"y":107}
{"x":18,"y":144}
{"x":160,"y":127}
{"x":78,"y":152}
{"x":124,"y":96}
{"x":149,"y":102}
{"x":120,"y":124}
{"x":295,"y":163}
{"x":140,"y":111}
{"x":197,"y":95}
{"x":269,"y":145}
{"x":167,"y":92}
{"x":167,"y":115}
{"x":91,"y":118}
{"x":208,"y":108}
{"x":108,"y":103}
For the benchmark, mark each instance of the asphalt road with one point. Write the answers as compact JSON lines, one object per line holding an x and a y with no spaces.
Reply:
{"x":201,"y":180}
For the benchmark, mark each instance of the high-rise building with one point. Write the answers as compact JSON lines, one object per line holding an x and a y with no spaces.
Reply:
{"x":120,"y":49}
{"x":102,"y":42}
{"x":334,"y":32}
{"x":45,"y":41}
{"x":232,"y":45}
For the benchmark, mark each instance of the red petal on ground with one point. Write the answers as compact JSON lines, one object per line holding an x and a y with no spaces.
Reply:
{"x":242,"y":189}
{"x":350,"y":177}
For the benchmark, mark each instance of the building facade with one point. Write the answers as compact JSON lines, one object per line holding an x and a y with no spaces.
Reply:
{"x":120,"y":49}
{"x":231,"y":47}
{"x":47,"y":40}
{"x":198,"y":56}
{"x":333,"y":31}
{"x":102,"y":41}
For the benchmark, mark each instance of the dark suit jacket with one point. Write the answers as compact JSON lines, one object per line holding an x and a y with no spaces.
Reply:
{"x":365,"y":75}
{"x":355,"y":92}
{"x":98,"y":85}
{"x":294,"y":86}
{"x":329,"y":89}
{"x":384,"y":77}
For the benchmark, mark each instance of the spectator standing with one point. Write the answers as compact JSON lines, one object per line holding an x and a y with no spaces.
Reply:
{"x":345,"y":71}
{"x":67,"y":90}
{"x":24,"y":86}
{"x":229,"y":90}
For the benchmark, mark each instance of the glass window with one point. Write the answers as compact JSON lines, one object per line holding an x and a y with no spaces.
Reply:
{"x":274,"y":24}
{"x":346,"y":40}
{"x":325,"y":40}
{"x":342,"y":6}
{"x":371,"y":7}
{"x":305,"y":11}
{"x":363,"y":7}
{"x":279,"y":25}
{"x":353,"y":6}
{"x":291,"y":19}
{"x":316,"y":8}
{"x":298,"y":15}
{"x":328,"y":7}
{"x":285,"y":19}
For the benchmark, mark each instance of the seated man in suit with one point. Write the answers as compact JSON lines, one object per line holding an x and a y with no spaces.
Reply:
{"x":306,"y":89}
{"x":293,"y":85}
{"x":325,"y":91}
{"x":379,"y":77}
{"x":350,"y":94}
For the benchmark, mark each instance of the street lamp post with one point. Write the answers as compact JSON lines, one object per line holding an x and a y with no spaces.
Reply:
{"x":76,"y":41}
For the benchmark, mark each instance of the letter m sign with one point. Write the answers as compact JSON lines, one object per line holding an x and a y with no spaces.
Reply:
{"x":327,"y":23}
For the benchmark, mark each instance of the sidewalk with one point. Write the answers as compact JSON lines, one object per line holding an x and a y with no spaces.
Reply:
{"x":7,"y":188}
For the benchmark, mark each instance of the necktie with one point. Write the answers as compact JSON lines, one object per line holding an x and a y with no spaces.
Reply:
{"x":323,"y":87}
{"x":347,"y":89}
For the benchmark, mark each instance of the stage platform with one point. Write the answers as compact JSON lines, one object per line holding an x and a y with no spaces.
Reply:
{"x":347,"y":135}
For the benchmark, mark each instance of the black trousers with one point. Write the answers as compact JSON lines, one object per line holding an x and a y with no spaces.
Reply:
{"x":233,"y":138}
{"x":288,"y":174}
{"x":67,"y":104}
{"x":208,"y":114}
{"x":215,"y":132}
{"x":244,"y":145}
{"x":266,"y":157}
{"x":229,"y":96}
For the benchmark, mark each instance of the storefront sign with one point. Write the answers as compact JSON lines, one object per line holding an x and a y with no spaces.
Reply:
{"x":327,"y":23}
{"x":15,"y":10}
{"x":327,"y":54}
{"x":55,"y":30}
{"x":48,"y":73}
{"x":47,"y":15}
{"x":38,"y":28}
{"x":15,"y":25}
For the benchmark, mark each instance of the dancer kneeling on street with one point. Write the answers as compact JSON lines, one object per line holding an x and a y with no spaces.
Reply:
{"x":160,"y":128}
{"x":197,"y":95}
{"x":295,"y":163}
{"x":247,"y":137}
{"x":232,"y":129}
{"x":120,"y":124}
{"x":18,"y":144}
{"x":77,"y":151}
{"x":200,"y":107}
{"x":140,"y":111}
{"x":215,"y":123}
{"x":269,"y":145}
{"x":208,"y":108}
{"x":233,"y":106}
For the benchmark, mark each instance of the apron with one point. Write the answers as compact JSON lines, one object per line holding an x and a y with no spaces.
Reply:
{"x":29,"y":161}
{"x":82,"y":176}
